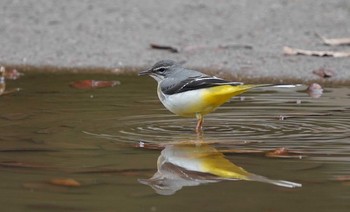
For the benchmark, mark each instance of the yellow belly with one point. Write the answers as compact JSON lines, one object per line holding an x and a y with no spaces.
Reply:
{"x":216,"y":96}
{"x":202,"y":101}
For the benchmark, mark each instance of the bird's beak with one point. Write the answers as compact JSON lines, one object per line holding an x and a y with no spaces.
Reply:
{"x":145,"y":72}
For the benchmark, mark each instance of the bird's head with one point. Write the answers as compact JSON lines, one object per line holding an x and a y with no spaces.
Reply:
{"x":160,"y":70}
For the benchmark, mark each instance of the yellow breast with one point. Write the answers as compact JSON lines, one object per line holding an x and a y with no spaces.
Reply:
{"x":201,"y":101}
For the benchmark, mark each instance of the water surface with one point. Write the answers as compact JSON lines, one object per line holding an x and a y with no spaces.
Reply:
{"x":107,"y":139}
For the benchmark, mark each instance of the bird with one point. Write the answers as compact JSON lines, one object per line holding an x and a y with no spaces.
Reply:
{"x":189,"y":163}
{"x":190,"y":93}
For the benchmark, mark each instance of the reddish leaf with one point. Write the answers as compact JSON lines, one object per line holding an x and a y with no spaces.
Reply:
{"x":314,"y":90}
{"x":67,"y":182}
{"x":89,"y":84}
{"x":12,"y":74}
{"x":282,"y":153}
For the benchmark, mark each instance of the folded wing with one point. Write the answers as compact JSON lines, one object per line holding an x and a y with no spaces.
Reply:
{"x":194,"y":83}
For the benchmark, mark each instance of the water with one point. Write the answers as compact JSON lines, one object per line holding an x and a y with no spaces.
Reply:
{"x":108,"y":139}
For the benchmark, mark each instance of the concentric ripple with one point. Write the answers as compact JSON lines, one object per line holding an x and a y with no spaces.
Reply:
{"x":316,"y":131}
{"x":273,"y":121}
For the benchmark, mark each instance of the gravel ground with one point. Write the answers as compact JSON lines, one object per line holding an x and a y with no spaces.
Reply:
{"x":243,"y":38}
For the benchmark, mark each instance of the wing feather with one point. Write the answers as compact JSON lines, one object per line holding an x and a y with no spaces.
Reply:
{"x":194,"y":83}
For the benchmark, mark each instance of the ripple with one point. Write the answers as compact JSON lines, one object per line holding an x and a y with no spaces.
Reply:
{"x":269,"y":122}
{"x":293,"y":130}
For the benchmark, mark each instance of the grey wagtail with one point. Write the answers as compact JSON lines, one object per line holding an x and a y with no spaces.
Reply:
{"x":191,"y":93}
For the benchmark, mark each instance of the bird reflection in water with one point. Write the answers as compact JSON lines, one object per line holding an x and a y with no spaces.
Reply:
{"x":195,"y":163}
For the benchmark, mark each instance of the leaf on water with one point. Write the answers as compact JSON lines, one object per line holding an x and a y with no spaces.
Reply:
{"x":314,"y":90}
{"x":283,"y":153}
{"x":12,"y":74}
{"x":324,"y":72}
{"x":292,"y":51}
{"x":335,"y":41}
{"x":164,"y":47}
{"x":151,"y":146}
{"x":343,"y":178}
{"x":91,"y":84}
{"x":67,"y":182}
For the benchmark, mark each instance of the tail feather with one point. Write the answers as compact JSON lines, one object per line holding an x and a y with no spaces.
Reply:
{"x":273,"y":85}
{"x":282,"y":183}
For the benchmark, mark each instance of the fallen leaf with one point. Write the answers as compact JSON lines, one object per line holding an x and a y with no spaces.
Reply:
{"x":342,"y":178}
{"x":68,"y":182}
{"x":282,"y":153}
{"x":12,"y":74}
{"x":335,"y":41}
{"x":89,"y":84}
{"x":324,"y":73}
{"x":164,"y":47}
{"x":314,"y":90}
{"x":292,"y":51}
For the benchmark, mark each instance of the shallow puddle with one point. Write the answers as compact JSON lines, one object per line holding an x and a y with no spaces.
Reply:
{"x":66,"y":149}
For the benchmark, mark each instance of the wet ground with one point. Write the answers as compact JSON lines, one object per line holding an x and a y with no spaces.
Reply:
{"x":241,"y":38}
{"x":69,"y":149}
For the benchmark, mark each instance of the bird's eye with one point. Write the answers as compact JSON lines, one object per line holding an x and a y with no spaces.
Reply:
{"x":160,"y":69}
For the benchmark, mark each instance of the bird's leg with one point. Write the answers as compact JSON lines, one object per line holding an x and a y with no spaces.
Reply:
{"x":199,"y":123}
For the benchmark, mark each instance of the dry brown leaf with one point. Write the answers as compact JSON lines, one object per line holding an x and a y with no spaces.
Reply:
{"x":90,"y":84}
{"x":68,"y":182}
{"x":292,"y":51}
{"x":164,"y":47}
{"x":282,"y":153}
{"x":343,"y":178}
{"x":324,"y":73}
{"x":335,"y":41}
{"x":12,"y":74}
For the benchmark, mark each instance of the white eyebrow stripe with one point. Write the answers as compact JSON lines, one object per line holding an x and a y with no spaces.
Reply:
{"x":162,"y":67}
